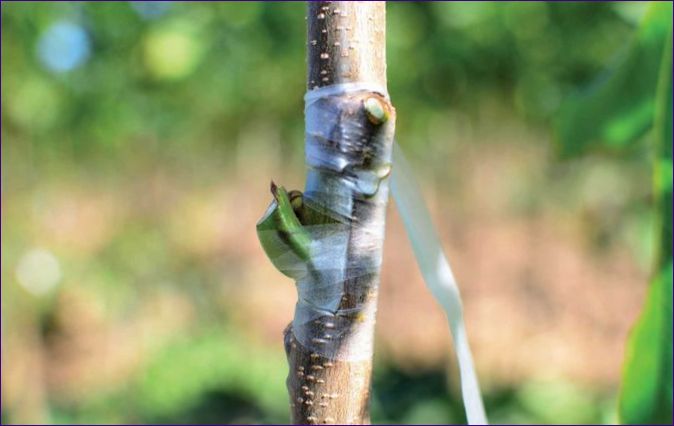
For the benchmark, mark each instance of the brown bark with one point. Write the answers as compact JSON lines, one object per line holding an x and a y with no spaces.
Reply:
{"x":345,"y":43}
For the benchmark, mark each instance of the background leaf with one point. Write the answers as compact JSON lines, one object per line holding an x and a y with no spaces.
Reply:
{"x":646,"y":395}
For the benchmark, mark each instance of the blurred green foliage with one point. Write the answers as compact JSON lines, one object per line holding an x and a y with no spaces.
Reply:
{"x":634,"y":98}
{"x":620,"y":107}
{"x":234,"y":63}
{"x":145,"y":90}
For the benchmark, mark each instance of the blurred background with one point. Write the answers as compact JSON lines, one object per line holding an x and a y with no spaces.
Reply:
{"x":139,"y":140}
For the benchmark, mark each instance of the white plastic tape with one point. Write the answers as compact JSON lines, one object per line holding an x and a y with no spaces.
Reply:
{"x":438,"y":277}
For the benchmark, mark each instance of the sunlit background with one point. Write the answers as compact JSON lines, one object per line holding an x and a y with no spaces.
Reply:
{"x":138,"y":142}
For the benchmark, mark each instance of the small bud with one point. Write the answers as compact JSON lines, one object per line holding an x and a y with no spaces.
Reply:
{"x":296,"y":201}
{"x":375,"y":110}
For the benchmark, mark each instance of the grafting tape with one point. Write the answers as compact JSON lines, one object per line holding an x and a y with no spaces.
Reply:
{"x":338,"y":177}
{"x":340,"y":174}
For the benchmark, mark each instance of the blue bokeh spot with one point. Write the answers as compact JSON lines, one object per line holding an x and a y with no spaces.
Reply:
{"x":63,"y":47}
{"x":150,"y":9}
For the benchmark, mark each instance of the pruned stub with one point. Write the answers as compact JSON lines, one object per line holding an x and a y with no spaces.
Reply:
{"x":353,"y":134}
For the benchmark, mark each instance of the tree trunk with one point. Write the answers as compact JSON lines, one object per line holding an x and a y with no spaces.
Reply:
{"x":330,"y":358}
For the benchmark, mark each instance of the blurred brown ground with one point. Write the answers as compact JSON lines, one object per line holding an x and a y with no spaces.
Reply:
{"x":540,"y":301}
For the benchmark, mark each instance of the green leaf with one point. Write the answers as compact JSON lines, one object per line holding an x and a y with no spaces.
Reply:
{"x":646,"y":394}
{"x":619,"y":107}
